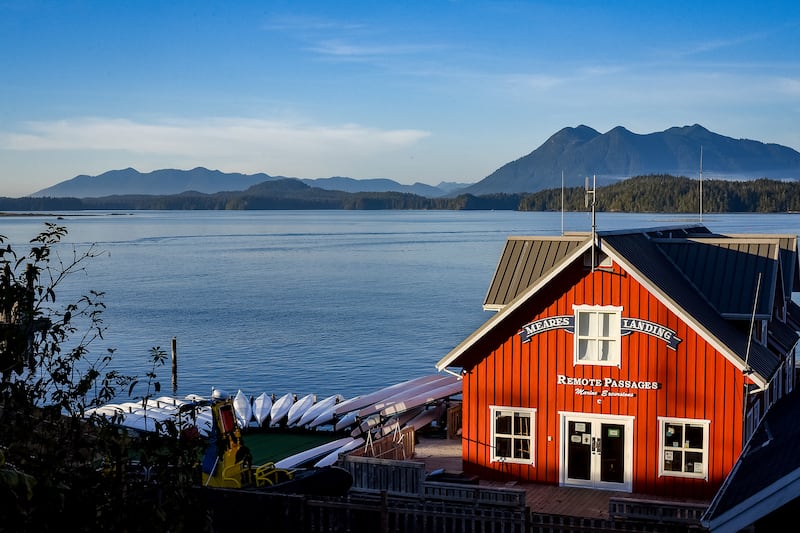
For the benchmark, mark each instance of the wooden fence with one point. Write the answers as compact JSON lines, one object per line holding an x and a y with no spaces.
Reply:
{"x":394,"y":497}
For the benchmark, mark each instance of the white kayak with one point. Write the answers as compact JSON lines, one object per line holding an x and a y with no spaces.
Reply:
{"x":261,"y":408}
{"x":280,"y":408}
{"x":299,"y":407}
{"x":396,"y":422}
{"x":407,"y":392}
{"x":426,"y":417}
{"x":346,"y":421}
{"x":312,"y":454}
{"x":242,"y":408}
{"x":318,"y":408}
{"x":334,"y":455}
{"x":359,"y":402}
{"x":405,"y":404}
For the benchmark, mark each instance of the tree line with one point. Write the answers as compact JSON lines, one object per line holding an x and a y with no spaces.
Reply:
{"x":657,"y":193}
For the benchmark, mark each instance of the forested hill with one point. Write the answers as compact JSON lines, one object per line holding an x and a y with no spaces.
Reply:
{"x":643,"y":194}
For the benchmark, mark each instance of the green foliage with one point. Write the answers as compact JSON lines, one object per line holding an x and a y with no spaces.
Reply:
{"x":670,"y":194}
{"x":58,"y":467}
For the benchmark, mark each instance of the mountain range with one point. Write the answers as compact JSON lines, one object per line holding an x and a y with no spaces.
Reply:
{"x":574,"y":153}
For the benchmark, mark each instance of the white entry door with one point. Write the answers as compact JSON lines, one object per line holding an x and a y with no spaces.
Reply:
{"x":597,"y":451}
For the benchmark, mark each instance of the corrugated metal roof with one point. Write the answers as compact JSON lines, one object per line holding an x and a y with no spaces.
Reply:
{"x":726,"y":271}
{"x":710,"y":279}
{"x":648,"y":257}
{"x":525,"y":260}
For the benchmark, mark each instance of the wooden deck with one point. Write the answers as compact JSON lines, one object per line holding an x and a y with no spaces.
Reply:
{"x":441,"y":453}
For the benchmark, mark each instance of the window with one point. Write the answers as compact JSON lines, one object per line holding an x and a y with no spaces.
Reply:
{"x":512,"y":434}
{"x":597,"y":335}
{"x":683,"y":448}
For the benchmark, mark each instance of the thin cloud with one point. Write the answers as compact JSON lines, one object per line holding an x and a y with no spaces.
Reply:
{"x":307,"y":25}
{"x":203,"y":138}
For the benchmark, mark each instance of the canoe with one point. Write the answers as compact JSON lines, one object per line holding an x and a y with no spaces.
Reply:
{"x":318,"y":408}
{"x":422,"y":399}
{"x":334,"y":455}
{"x":326,"y":416}
{"x":396,"y":422}
{"x":299,"y":407}
{"x":243,"y":409}
{"x":407,"y":392}
{"x":312,"y":454}
{"x":366,"y":425}
{"x":280,"y":408}
{"x":261,"y":407}
{"x":346,"y":421}
{"x":166,"y":401}
{"x":359,"y":402}
{"x":426,"y":417}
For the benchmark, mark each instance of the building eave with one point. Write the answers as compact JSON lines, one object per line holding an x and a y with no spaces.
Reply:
{"x":506,"y":310}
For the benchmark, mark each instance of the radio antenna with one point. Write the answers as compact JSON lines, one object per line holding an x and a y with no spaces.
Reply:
{"x":562,"y":202}
{"x":592,"y":192}
{"x":701,"y":183}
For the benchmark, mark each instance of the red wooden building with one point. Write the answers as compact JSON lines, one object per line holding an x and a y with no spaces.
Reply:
{"x":637,"y":360}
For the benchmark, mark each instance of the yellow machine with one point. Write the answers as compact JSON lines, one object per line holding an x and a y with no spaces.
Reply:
{"x":228,"y":463}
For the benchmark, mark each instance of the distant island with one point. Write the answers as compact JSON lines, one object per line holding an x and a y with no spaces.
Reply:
{"x":642,"y":194}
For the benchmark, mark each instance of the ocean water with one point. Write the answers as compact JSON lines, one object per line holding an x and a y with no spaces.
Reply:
{"x":317,"y":302}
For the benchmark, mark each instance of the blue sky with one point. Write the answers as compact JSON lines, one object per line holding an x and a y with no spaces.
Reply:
{"x":416,"y":91}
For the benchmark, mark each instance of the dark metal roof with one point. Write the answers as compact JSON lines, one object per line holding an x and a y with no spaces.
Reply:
{"x":726,"y":271}
{"x":647,"y":256}
{"x":711,"y":279}
{"x":790,"y":268}
{"x":525,"y":260}
{"x":762,"y":478}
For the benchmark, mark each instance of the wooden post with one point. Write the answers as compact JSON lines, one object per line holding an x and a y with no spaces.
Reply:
{"x":174,"y":365}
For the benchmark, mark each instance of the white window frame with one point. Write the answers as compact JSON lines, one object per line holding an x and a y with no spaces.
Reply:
{"x":614,"y":338}
{"x":530,"y":412}
{"x":682,"y":447}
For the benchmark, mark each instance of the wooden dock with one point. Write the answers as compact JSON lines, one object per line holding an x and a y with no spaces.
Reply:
{"x":440,"y":453}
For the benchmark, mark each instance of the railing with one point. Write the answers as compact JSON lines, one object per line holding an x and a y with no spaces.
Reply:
{"x":655,"y":510}
{"x":473,"y":494}
{"x":371,"y":474}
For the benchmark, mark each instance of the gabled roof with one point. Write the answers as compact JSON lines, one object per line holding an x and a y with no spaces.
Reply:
{"x":525,"y":260}
{"x":767,"y":474}
{"x":714,"y":265}
{"x":672,"y":263}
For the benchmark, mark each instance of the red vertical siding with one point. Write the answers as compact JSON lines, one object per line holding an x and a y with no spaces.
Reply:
{"x":696,"y":382}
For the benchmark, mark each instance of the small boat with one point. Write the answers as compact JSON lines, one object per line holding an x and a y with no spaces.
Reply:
{"x":332,"y":457}
{"x":261,"y":408}
{"x":426,"y":417}
{"x":243,"y":409}
{"x":319,"y":408}
{"x":407,"y":392}
{"x":312,"y":454}
{"x":405,"y":404}
{"x":366,"y":425}
{"x":396,"y":422}
{"x":280,"y":408}
{"x":359,"y":402}
{"x":346,"y":421}
{"x":299,"y":407}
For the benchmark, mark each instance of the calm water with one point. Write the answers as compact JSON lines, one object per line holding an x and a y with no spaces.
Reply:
{"x":306,"y":301}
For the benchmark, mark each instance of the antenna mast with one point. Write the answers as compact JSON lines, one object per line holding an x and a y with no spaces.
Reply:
{"x":562,"y":202}
{"x":592,"y":192}
{"x":701,"y":183}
